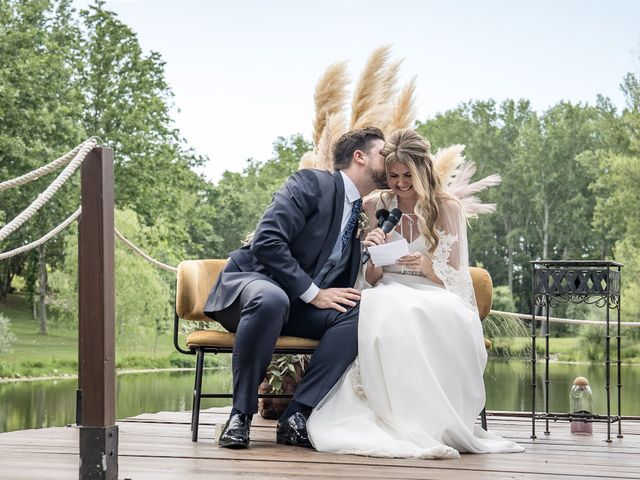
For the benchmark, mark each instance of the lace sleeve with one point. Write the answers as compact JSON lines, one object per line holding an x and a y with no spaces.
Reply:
{"x":451,"y":257}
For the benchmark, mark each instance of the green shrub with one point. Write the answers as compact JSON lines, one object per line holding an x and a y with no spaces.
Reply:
{"x":6,"y":337}
{"x":503,"y":299}
{"x":592,"y":343}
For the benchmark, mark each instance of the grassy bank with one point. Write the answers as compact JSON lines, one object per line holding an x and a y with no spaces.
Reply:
{"x":565,"y":349}
{"x":56,"y":354}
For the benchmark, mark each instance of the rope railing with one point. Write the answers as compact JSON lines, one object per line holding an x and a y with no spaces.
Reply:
{"x":147,"y":257}
{"x":44,"y":239}
{"x":45,"y":196}
{"x":39,"y":172}
{"x":69,"y":221}
{"x":73,"y":158}
{"x":569,"y":321}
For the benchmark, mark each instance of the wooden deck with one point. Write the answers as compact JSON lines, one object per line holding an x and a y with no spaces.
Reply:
{"x":158,"y":446}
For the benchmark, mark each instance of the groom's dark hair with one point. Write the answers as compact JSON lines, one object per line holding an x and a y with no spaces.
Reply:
{"x":351,"y":141}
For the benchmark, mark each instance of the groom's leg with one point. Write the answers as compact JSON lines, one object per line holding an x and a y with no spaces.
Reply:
{"x":338,"y":334}
{"x":256,"y":317}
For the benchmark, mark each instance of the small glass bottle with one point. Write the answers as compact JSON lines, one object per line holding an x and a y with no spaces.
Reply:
{"x":581,"y":403}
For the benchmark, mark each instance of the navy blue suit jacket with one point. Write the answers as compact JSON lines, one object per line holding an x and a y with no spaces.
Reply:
{"x":292,"y":242}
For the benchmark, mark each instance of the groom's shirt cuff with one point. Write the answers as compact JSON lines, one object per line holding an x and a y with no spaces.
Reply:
{"x":310,"y":293}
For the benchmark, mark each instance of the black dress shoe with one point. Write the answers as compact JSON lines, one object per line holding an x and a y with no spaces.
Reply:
{"x":235,"y":433}
{"x":293,"y":431}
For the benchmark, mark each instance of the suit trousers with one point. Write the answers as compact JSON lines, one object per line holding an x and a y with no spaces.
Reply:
{"x":261,"y":313}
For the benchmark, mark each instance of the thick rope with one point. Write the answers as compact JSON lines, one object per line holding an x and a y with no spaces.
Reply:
{"x":45,"y":196}
{"x":39,"y":172}
{"x":65,"y":224}
{"x":137,"y":250}
{"x":569,"y":321}
{"x":40,"y":241}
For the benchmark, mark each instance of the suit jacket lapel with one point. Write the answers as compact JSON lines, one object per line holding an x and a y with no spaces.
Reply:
{"x":336,"y":220}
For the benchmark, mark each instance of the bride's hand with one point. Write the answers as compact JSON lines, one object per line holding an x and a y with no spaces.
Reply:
{"x":418,"y":262}
{"x":375,"y":237}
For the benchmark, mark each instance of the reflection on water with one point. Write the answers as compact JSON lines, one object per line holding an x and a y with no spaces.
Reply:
{"x":52,"y":402}
{"x":508,"y":386}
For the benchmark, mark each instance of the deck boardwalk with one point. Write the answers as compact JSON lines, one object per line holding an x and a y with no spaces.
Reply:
{"x":158,"y":446}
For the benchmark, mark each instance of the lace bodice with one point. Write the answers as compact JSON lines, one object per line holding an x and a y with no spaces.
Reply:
{"x":450,"y":258}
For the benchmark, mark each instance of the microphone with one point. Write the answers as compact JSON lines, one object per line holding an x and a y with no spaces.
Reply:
{"x":388,"y":224}
{"x":382,"y":215}
{"x":392,"y":220}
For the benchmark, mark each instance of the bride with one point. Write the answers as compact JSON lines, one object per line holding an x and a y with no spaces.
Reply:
{"x":416,"y":389}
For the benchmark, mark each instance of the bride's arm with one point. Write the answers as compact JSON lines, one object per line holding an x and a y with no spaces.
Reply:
{"x":451,"y":257}
{"x":453,"y":223}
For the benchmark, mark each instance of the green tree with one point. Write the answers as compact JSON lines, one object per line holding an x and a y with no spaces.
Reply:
{"x":128,"y":103}
{"x":241,"y":198}
{"x":544,"y":203}
{"x":40,"y":117}
{"x":615,"y":185}
{"x":65,"y":75}
{"x":143,"y":297}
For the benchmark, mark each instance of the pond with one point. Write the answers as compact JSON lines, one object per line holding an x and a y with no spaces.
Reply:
{"x":49,"y":403}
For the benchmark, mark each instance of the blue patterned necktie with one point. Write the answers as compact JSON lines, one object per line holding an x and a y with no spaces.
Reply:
{"x":353,"y":221}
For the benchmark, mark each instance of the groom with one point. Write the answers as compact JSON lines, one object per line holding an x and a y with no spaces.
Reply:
{"x":295,"y":279}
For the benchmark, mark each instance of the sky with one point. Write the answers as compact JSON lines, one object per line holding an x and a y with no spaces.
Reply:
{"x":244,"y":71}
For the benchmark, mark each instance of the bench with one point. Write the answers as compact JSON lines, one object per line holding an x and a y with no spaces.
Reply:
{"x":194,"y":282}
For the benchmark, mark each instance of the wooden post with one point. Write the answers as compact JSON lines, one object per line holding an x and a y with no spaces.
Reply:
{"x":96,"y":335}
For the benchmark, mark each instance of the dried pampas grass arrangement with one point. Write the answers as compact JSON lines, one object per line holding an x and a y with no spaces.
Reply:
{"x":375,"y":102}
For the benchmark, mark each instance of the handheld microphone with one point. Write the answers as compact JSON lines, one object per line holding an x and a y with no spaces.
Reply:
{"x":392,"y":220}
{"x":382,"y":215}
{"x":388,"y":224}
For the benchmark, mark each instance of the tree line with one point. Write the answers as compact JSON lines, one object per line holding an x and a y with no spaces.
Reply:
{"x":569,"y":187}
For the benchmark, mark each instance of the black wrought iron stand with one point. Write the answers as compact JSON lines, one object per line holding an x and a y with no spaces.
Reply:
{"x":575,"y":281}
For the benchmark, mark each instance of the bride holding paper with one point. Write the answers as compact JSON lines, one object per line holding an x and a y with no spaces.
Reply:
{"x":417,"y":386}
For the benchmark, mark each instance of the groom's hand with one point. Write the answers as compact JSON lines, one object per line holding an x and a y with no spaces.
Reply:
{"x":335,"y":298}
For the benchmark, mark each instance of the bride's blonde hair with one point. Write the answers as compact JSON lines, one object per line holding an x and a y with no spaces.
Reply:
{"x":407,"y":147}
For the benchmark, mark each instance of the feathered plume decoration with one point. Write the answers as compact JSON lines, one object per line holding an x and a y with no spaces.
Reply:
{"x":455,"y":174}
{"x":333,"y":129}
{"x":404,"y":111}
{"x":389,"y":82}
{"x":366,"y":96}
{"x":330,"y":97}
{"x":373,"y":104}
{"x":446,"y":162}
{"x":308,"y":160}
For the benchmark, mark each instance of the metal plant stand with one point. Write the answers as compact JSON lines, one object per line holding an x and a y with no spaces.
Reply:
{"x":575,"y":281}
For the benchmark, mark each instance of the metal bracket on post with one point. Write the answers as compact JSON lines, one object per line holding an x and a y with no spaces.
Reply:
{"x":100,"y":457}
{"x":78,"y":407}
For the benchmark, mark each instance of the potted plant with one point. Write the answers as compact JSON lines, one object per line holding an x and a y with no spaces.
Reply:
{"x":282,"y":377}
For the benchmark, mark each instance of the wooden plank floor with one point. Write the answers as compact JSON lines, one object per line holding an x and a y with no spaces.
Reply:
{"x":158,"y":446}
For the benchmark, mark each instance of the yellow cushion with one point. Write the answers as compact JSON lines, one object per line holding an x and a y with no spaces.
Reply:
{"x":212,"y":338}
{"x":194,"y":282}
{"x":483,"y":286}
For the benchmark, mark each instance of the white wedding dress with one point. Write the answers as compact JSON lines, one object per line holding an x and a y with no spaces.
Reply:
{"x":417,"y":387}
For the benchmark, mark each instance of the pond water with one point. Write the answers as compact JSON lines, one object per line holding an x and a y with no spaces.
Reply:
{"x":49,"y":403}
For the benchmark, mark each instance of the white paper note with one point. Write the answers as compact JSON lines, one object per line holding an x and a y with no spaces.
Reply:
{"x":388,"y":253}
